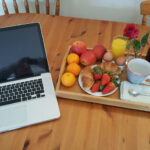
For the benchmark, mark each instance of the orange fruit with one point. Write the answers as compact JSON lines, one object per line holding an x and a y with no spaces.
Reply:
{"x":72,"y":58}
{"x":74,"y":68}
{"x":68,"y":79}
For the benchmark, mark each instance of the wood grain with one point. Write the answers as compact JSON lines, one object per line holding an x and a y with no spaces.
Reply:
{"x":82,"y":126}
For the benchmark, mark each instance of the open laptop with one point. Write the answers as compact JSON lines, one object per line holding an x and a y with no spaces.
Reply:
{"x":27,"y":94}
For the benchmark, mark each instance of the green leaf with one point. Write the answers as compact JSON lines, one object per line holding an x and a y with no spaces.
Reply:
{"x":97,"y":70}
{"x":123,"y":38}
{"x":136,"y":45}
{"x":115,"y":82}
{"x":101,"y":87}
{"x":128,"y":46}
{"x":144,"y":39}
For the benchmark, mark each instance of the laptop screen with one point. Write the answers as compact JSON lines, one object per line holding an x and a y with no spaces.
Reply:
{"x":22,"y":52}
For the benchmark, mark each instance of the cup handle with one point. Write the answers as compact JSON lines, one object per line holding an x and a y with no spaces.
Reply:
{"x":146,"y":81}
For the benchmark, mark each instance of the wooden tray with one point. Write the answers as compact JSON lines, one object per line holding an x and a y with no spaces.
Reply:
{"x":76,"y":93}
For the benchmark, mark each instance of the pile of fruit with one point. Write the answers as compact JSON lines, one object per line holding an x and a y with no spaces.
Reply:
{"x":103,"y":81}
{"x":99,"y":52}
{"x":79,"y":55}
{"x":88,"y":57}
{"x":73,"y":69}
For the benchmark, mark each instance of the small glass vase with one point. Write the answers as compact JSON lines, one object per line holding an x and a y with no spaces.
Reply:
{"x":135,"y":54}
{"x":138,"y":54}
{"x":129,"y":56}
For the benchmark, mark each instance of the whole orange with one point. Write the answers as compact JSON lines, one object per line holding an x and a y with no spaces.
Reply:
{"x":74,"y":68}
{"x":72,"y":58}
{"x":68,"y":79}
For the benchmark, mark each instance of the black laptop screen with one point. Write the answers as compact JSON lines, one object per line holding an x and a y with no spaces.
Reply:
{"x":22,"y":52}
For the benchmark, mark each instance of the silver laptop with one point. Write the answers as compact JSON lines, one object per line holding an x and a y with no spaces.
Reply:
{"x":27,"y":93}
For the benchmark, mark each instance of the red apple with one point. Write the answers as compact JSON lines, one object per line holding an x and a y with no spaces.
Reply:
{"x":88,"y":58}
{"x":78,"y":47}
{"x":99,"y":51}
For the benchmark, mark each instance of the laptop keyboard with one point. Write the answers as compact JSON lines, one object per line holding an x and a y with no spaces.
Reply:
{"x":22,"y":91}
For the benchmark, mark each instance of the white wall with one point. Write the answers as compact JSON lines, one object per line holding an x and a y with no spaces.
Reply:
{"x":115,"y":10}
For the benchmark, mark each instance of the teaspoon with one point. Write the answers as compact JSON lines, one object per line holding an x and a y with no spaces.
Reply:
{"x":136,"y":93}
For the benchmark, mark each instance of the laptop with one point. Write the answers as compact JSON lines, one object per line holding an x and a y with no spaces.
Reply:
{"x":27,"y":93}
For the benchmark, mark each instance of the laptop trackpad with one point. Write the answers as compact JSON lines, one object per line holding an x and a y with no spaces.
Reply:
{"x":13,"y":116}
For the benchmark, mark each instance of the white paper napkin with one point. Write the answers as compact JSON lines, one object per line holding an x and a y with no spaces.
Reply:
{"x":125,"y":86}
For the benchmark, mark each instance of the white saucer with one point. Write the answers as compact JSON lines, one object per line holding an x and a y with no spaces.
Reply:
{"x":95,"y":93}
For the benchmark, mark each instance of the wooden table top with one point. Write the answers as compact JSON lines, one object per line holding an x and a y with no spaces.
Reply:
{"x":82,"y":126}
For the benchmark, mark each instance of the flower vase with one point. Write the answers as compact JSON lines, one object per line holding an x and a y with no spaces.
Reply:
{"x":129,"y":56}
{"x":138,"y":54}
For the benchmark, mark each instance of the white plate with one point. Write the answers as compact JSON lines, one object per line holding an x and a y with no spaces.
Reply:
{"x":95,"y":93}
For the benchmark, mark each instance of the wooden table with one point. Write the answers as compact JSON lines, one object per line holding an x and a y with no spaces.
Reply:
{"x":82,"y":126}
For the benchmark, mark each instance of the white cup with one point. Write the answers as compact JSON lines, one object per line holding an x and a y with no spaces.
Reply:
{"x":138,"y":70}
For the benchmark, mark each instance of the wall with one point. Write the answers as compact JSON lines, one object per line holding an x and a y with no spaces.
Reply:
{"x":116,"y":10}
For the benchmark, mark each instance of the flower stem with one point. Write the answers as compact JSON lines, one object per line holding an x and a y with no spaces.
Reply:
{"x":135,"y":53}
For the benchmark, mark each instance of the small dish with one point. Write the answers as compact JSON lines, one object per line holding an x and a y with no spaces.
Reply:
{"x":96,"y":93}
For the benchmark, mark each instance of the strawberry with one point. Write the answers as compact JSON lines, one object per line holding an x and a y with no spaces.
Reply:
{"x":95,"y":87}
{"x":97,"y":73}
{"x":105,"y":79}
{"x":97,"y":76}
{"x":108,"y":88}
